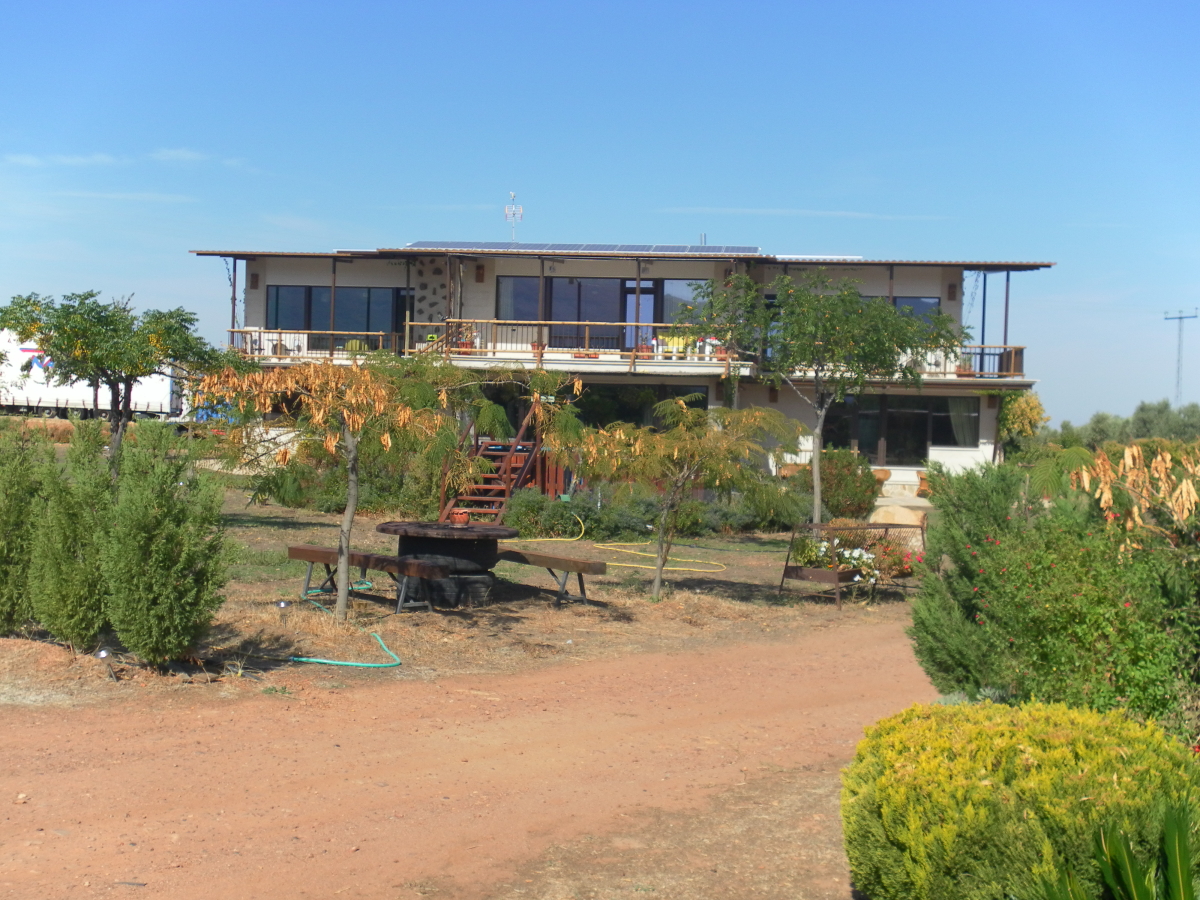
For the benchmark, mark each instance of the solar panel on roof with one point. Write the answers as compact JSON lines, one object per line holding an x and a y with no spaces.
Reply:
{"x":665,"y":249}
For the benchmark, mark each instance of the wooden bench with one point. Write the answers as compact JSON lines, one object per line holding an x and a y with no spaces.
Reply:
{"x":566,"y":564}
{"x":398,"y":568}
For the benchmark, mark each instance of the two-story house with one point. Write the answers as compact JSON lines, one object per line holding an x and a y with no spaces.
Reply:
{"x":605,"y":312}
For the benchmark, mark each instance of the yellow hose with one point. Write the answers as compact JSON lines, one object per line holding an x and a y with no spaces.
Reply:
{"x":616,"y":548}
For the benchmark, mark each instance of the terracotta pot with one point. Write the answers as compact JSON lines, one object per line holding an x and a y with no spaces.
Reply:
{"x":459,"y":517}
{"x":535,"y":346}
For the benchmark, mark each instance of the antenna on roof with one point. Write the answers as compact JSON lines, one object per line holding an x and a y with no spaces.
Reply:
{"x":513,"y":214}
{"x":1179,"y":353}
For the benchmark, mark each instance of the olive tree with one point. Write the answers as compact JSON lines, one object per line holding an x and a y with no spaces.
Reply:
{"x":109,"y":346}
{"x":825,"y":335}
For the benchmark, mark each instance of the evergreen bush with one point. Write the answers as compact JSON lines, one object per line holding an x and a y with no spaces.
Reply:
{"x":986,"y":801}
{"x":23,"y":458}
{"x":1043,"y":601}
{"x":67,"y":593}
{"x":163,"y":557}
{"x":849,"y":488}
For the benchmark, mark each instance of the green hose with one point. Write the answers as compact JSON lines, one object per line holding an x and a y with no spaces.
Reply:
{"x":357,"y":665}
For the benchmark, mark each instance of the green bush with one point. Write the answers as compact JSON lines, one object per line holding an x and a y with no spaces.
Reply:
{"x":631,"y":513}
{"x":23,"y":458}
{"x":163,"y":556}
{"x":983,"y":802}
{"x":849,"y":488}
{"x":67,"y":596}
{"x":1041,"y":601}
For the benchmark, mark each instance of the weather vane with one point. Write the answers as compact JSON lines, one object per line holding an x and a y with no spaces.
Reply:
{"x":513,"y":214}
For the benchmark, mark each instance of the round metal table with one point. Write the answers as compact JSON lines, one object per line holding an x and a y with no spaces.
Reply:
{"x":469,"y":552}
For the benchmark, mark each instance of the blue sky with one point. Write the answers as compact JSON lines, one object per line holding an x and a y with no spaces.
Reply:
{"x":131,"y":133}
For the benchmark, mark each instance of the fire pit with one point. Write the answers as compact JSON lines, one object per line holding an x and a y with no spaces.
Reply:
{"x":469,"y":552}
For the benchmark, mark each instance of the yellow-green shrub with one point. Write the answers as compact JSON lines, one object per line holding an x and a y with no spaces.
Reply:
{"x":980,"y":801}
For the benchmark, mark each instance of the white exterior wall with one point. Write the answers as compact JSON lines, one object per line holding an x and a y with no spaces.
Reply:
{"x":872,"y":281}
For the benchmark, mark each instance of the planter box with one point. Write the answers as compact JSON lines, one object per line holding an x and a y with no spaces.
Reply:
{"x":586,"y":355}
{"x":822,"y":576}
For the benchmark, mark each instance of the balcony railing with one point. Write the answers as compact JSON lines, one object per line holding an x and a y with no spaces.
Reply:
{"x":569,"y":344}
{"x":311,"y":345}
{"x":990,"y":361}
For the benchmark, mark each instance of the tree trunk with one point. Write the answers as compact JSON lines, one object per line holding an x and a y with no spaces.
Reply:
{"x":115,"y":427}
{"x":343,"y":580}
{"x":666,"y":535}
{"x":816,"y":461}
{"x":664,"y":550}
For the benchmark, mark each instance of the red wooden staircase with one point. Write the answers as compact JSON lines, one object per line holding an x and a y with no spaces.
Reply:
{"x":515,"y":462}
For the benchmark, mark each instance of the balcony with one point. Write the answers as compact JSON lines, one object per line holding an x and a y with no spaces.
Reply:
{"x":595,"y":347}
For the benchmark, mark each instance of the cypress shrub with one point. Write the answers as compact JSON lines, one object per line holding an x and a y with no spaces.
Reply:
{"x":985,"y":801}
{"x":23,"y":457}
{"x":68,"y":594}
{"x":163,"y":557}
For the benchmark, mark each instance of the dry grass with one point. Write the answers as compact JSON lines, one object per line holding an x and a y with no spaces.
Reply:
{"x":520,"y":628}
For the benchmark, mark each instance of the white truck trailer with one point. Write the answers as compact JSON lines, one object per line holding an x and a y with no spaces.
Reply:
{"x":36,"y":394}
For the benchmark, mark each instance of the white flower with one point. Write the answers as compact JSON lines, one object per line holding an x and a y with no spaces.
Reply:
{"x":858,"y":578}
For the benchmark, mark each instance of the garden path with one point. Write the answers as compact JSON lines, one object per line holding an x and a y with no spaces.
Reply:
{"x":457,"y":788}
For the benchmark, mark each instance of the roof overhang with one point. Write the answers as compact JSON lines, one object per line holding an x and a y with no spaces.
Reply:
{"x":625,"y":251}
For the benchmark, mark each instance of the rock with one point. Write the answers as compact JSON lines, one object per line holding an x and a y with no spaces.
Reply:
{"x":898,"y":515}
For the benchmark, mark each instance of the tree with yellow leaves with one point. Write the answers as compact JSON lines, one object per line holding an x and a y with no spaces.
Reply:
{"x":340,"y":405}
{"x":721,"y":449}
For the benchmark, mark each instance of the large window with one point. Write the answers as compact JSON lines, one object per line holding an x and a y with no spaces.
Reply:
{"x":678,"y":297}
{"x":903,"y":428}
{"x":517,"y":298}
{"x":919,"y":306}
{"x":584,"y":300}
{"x":357,"y":309}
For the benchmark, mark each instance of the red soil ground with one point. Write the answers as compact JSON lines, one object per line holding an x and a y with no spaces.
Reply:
{"x":393,"y":789}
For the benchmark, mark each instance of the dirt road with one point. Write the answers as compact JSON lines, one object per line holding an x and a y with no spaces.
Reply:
{"x":398,"y":788}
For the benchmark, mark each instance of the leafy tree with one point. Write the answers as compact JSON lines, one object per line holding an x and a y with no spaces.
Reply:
{"x":1149,"y":420}
{"x":826,"y":334}
{"x":736,"y":314}
{"x":109,"y":346}
{"x":1020,"y":419}
{"x":710,"y":448}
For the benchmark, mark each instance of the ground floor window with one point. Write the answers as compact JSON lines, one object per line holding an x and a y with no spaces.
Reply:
{"x":601,"y":405}
{"x":898,"y":431}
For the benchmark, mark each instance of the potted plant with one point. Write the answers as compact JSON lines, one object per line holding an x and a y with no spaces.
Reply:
{"x":829,"y":562}
{"x":459,"y":517}
{"x":644,"y":351}
{"x":537,"y":346}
